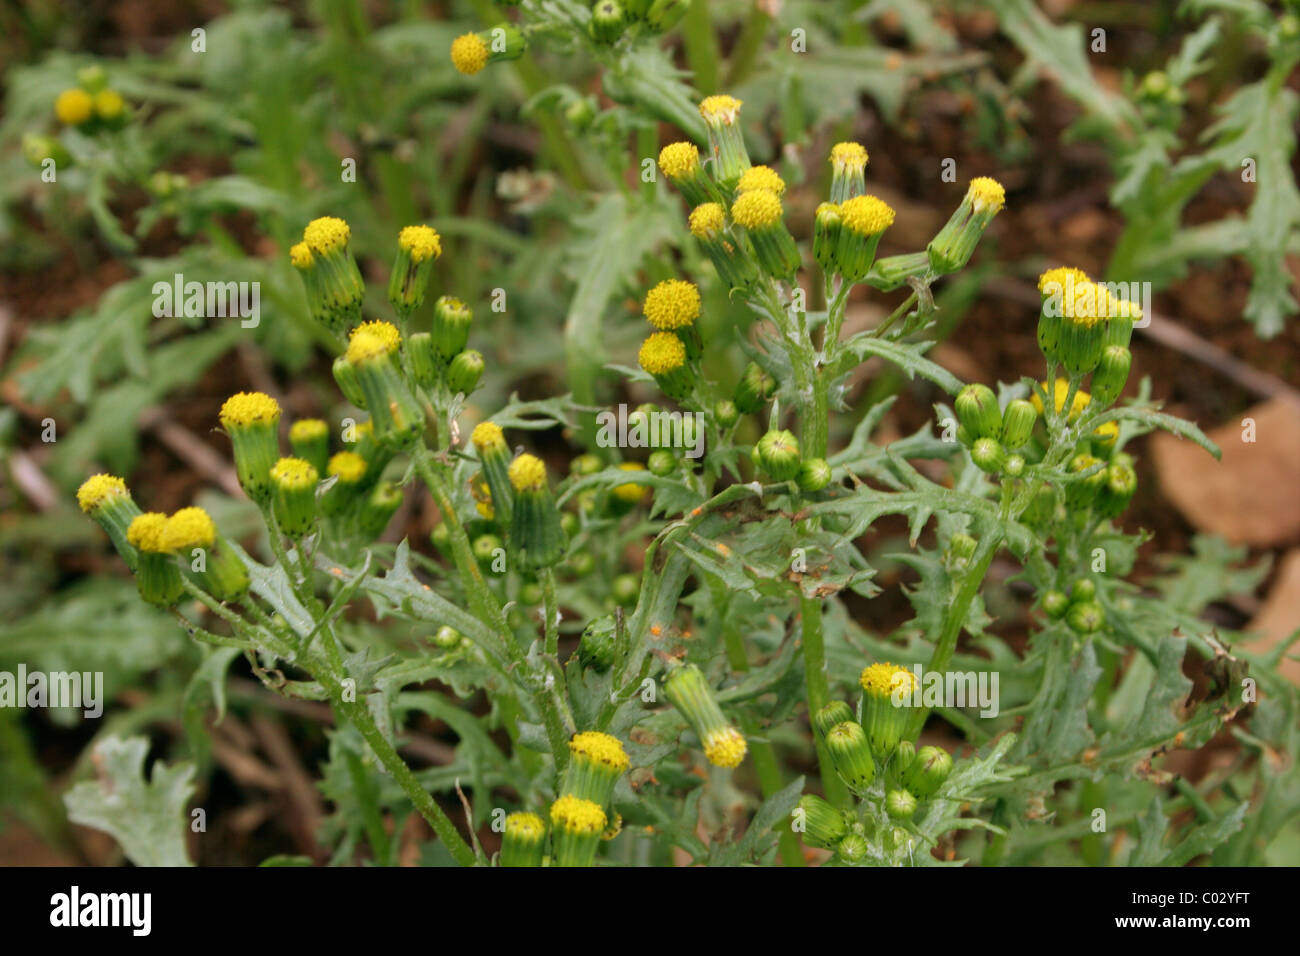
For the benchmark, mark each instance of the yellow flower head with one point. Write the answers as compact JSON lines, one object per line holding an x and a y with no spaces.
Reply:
{"x":1089,"y":304}
{"x":348,"y":466}
{"x":307,"y":429}
{"x":707,"y":220}
{"x":246,"y":409}
{"x":1080,"y":402}
{"x":1123,"y":309}
{"x":300,"y":256}
{"x":528,"y":826}
{"x":1056,"y":281}
{"x":187,"y":529}
{"x":679,"y":159}
{"x":326,"y":234}
{"x":757,"y":209}
{"x":661,"y":353}
{"x":422,"y":242}
{"x":527,"y":473}
{"x":109,"y":104}
{"x":985,"y":193}
{"x":488,"y":436}
{"x":1107,"y":433}
{"x":886,"y":680}
{"x":73,"y":107}
{"x":848,"y":157}
{"x":294,"y":474}
{"x":469,"y":53}
{"x":576,"y":815}
{"x":672,"y":304}
{"x":97,"y":489}
{"x":384,"y":330}
{"x":600,"y":748}
{"x":761,"y":177}
{"x":866,"y":215}
{"x":365,"y":346}
{"x":148,"y":532}
{"x":630,"y":493}
{"x":720,"y":109}
{"x":725,"y":747}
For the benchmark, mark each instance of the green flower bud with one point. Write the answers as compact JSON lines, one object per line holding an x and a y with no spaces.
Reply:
{"x":251,"y":419}
{"x":725,"y":413}
{"x":439,"y":537}
{"x":988,"y":455}
{"x":207,"y":561}
{"x":977,"y":411}
{"x":378,"y":508}
{"x":576,"y":826}
{"x":851,"y":754}
{"x":826,"y":236}
{"x":663,"y":355}
{"x":424,"y":359}
{"x":688,"y":691}
{"x":418,"y":247}
{"x":524,"y":842}
{"x":1015,"y":466}
{"x":106,"y":499}
{"x":1017,"y":423}
{"x":759,"y":212}
{"x":348,"y":469}
{"x":485,"y":548}
{"x":1111,"y":374}
{"x":951,"y":249}
{"x":606,"y":22}
{"x":346,"y":378}
{"x":157,"y":577}
{"x":1083,"y":590}
{"x":680,"y":162}
{"x":504,"y":42}
{"x":586,"y":464}
{"x":928,"y":771}
{"x":1041,"y":509}
{"x":754,"y":389}
{"x":447,"y":637}
{"x":853,"y":848}
{"x":892,"y":272}
{"x":92,"y":78}
{"x":708,"y":224}
{"x":863,"y":220}
{"x":726,"y":142}
{"x":37,"y":149}
{"x":490,"y":443}
{"x":961,"y":548}
{"x":814,"y":475}
{"x":395,"y":414}
{"x":339,"y":286}
{"x":569,"y":523}
{"x":1121,"y":483}
{"x":777,"y":455}
{"x":1080,"y":495}
{"x":581,"y":564}
{"x":598,"y":647}
{"x":1085,"y":617}
{"x":886,"y":705}
{"x":836,"y":712}
{"x":535,"y":532}
{"x":823,"y":825}
{"x":293,"y":482}
{"x":626,"y":589}
{"x":310,"y":440}
{"x":661,"y":463}
{"x":848,"y":171}
{"x":1055,"y":604}
{"x":530,"y":593}
{"x":464,"y":372}
{"x":900,"y":804}
{"x":451,"y":321}
{"x":596,"y":761}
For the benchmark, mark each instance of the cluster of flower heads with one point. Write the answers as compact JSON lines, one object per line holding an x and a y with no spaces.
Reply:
{"x":876,"y":762}
{"x":581,"y":816}
{"x":90,"y":107}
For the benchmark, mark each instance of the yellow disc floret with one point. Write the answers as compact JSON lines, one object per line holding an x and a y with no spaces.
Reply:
{"x":725,"y":747}
{"x":300,"y":255}
{"x":307,"y":429}
{"x":422,"y":242}
{"x":630,"y":492}
{"x":600,"y":748}
{"x":348,"y":466}
{"x":708,"y":220}
{"x":721,"y":109}
{"x":148,"y":532}
{"x":527,"y":473}
{"x":528,"y":826}
{"x":985,"y":193}
{"x":73,"y":107}
{"x":245,"y":409}
{"x":109,"y":104}
{"x":887,"y":680}
{"x":97,"y":489}
{"x":1081,"y":398}
{"x":756,"y":209}
{"x":488,"y":436}
{"x":661,"y":353}
{"x":366,"y":346}
{"x":294,"y":474}
{"x":866,"y":215}
{"x":848,"y":157}
{"x":672,"y":304}
{"x":761,"y":177}
{"x":1057,"y":280}
{"x":326,"y":234}
{"x":679,"y":159}
{"x":189,"y":528}
{"x":469,"y":53}
{"x":576,"y":815}
{"x":385,"y":330}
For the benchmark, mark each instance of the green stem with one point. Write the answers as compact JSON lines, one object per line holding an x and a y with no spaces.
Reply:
{"x":818,"y":691}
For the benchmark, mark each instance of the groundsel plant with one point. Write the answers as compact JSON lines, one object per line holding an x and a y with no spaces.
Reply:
{"x":736,"y":655}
